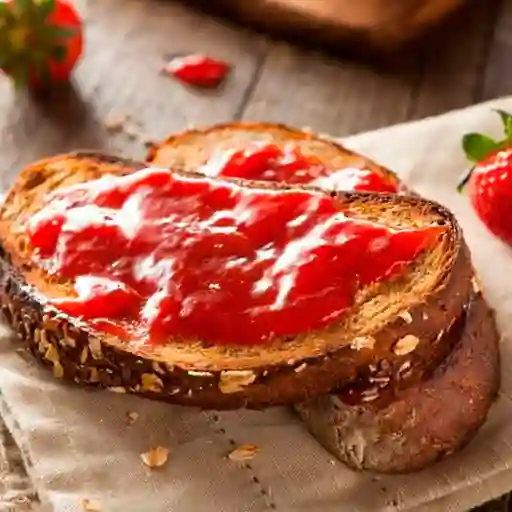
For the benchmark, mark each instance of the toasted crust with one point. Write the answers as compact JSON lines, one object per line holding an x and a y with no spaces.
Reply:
{"x":417,"y":428}
{"x":190,"y":149}
{"x":423,"y":304}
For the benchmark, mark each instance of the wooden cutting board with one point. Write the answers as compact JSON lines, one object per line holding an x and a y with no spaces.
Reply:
{"x":377,"y":26}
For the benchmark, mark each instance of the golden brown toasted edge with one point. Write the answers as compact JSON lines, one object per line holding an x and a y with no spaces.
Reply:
{"x":219,"y":377}
{"x":421,"y":425}
{"x":191,"y":148}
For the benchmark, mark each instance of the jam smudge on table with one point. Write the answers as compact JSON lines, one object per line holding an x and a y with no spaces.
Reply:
{"x":157,"y":255}
{"x":198,"y":70}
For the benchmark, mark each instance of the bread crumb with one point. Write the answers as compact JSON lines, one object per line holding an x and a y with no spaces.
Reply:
{"x":91,"y":506}
{"x":132,"y":132}
{"x":477,"y":286}
{"x":156,"y":457}
{"x":132,"y":417}
{"x":233,"y":381}
{"x":244,"y":452}
{"x":301,"y":368}
{"x":406,"y":345}
{"x":362,"y":342}
{"x":115,"y":123}
{"x":406,"y":316}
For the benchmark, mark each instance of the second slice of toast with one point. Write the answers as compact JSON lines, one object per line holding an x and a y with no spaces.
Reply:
{"x":192,"y":149}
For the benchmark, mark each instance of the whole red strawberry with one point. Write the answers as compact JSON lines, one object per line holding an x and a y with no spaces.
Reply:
{"x":40,"y":41}
{"x":489,"y":182}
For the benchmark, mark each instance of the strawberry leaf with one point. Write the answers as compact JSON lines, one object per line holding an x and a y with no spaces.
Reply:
{"x":22,"y":7}
{"x":46,"y":7}
{"x":478,"y":146}
{"x":4,"y":9}
{"x":506,"y":118}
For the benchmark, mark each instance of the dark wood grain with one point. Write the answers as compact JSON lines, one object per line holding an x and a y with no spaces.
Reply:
{"x":333,"y":96}
{"x":498,"y":71}
{"x":303,"y":89}
{"x":455,"y":61}
{"x":378,"y":28}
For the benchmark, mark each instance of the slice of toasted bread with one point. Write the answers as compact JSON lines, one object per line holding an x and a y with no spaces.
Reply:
{"x":414,"y":309}
{"x":191,"y":149}
{"x":421,"y":424}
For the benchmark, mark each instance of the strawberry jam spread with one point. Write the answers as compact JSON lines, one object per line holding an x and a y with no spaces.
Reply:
{"x":157,"y":255}
{"x":267,"y":162}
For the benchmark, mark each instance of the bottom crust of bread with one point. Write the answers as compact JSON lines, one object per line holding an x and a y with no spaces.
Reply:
{"x":425,"y":422}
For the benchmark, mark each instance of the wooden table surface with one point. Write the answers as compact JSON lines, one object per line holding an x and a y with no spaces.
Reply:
{"x":274,"y":81}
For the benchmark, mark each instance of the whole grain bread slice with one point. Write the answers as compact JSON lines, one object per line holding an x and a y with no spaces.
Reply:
{"x":391,"y":323}
{"x":425,"y":422}
{"x":191,"y":149}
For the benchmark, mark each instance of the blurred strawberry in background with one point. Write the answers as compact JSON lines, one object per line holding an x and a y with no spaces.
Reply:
{"x":40,"y":41}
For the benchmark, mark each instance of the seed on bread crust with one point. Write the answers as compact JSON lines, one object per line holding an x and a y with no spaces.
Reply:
{"x":151,"y":382}
{"x":94,"y":377}
{"x":58,"y":371}
{"x":300,"y":368}
{"x":51,"y":354}
{"x":477,"y":287}
{"x":405,"y":370}
{"x":370,"y":395}
{"x":84,"y":355}
{"x":95,"y":347}
{"x":158,"y":368}
{"x":363,"y":342}
{"x":406,"y":316}
{"x":406,"y":345}
{"x":381,"y":382}
{"x":194,"y":373}
{"x":232,"y":381}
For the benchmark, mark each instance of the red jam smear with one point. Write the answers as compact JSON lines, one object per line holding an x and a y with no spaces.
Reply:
{"x":156,"y":255}
{"x":268,"y":162}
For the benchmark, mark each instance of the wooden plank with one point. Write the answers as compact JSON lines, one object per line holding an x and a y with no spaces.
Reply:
{"x":498,"y":75}
{"x":306,"y":89}
{"x":126,"y":43}
{"x":377,"y":27}
{"x":455,"y":61}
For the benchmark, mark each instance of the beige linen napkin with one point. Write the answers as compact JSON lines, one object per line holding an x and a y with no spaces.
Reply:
{"x":78,"y":446}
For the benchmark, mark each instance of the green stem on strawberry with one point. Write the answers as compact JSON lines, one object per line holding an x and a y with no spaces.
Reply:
{"x":490,"y":179}
{"x":478,"y":146}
